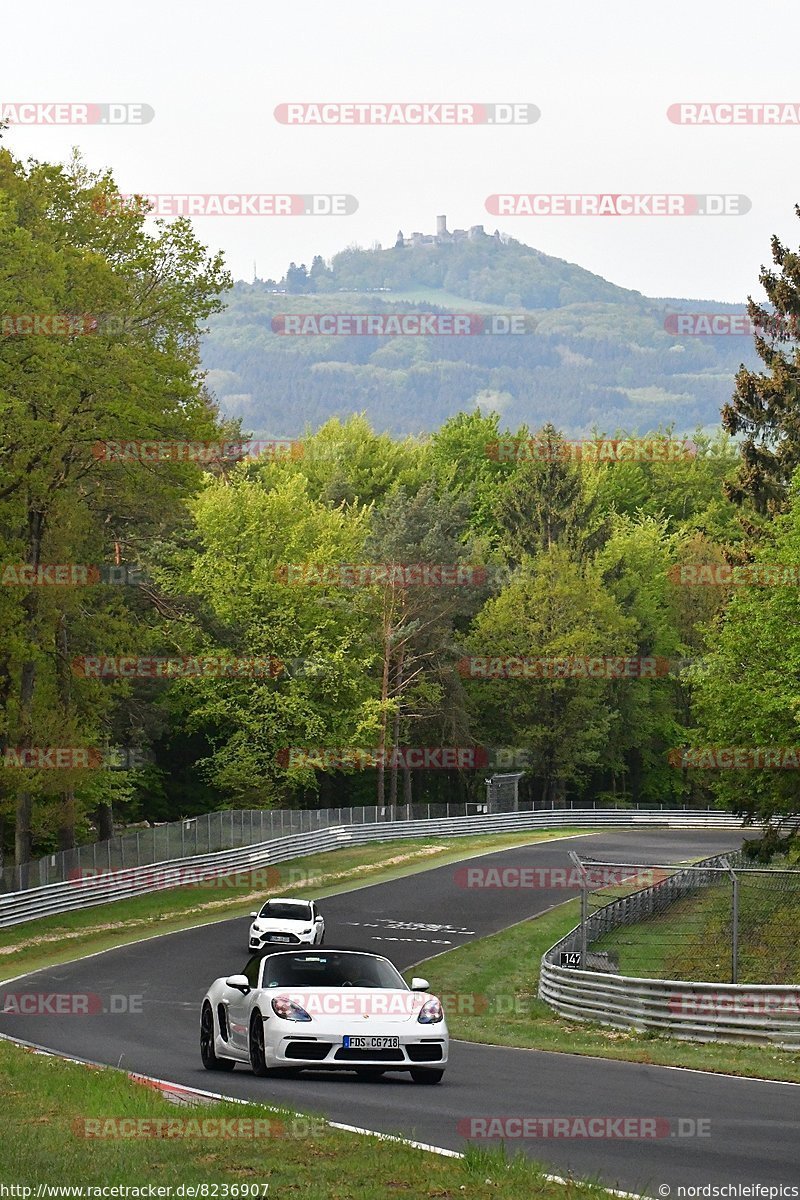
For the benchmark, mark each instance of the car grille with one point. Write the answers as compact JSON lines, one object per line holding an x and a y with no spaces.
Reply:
{"x":299,"y":1048}
{"x":425,"y":1052}
{"x":352,"y":1055}
{"x":287,"y":939}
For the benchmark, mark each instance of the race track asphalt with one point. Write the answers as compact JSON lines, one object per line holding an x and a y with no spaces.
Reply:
{"x":754,"y":1125}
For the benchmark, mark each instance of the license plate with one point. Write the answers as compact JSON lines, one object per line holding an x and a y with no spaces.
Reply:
{"x":371,"y":1043}
{"x":277,"y":937}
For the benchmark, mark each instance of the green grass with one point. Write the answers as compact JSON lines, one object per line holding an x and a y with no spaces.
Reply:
{"x":504,"y":968}
{"x":46,"y":1103}
{"x":50,"y":940}
{"x":692,"y":939}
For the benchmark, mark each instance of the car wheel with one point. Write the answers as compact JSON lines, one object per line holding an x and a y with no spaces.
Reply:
{"x":258,"y":1059}
{"x":426,"y":1075}
{"x":321,"y":938}
{"x":209,"y":1057}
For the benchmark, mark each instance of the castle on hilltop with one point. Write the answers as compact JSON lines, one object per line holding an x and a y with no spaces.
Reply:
{"x":445,"y":236}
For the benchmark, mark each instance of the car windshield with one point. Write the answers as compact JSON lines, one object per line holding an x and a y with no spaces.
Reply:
{"x":319,"y":968}
{"x":285,"y":910}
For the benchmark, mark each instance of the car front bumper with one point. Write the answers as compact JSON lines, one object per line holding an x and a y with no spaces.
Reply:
{"x":259,"y":940}
{"x":327,"y":1052}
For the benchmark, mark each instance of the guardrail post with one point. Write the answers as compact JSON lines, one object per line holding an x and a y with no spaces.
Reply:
{"x":735,"y":931}
{"x":584,"y":904}
{"x":734,"y":919}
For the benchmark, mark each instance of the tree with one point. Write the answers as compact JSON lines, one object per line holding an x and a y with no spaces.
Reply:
{"x":246,"y":534}
{"x":747,"y":693}
{"x":319,"y":276}
{"x":67,"y":247}
{"x":462,"y":456}
{"x":346,"y":462}
{"x":297,"y":278}
{"x":554,"y":608}
{"x":765,"y":408}
{"x":635,"y":563}
{"x":544,"y":502}
{"x":418,"y":623}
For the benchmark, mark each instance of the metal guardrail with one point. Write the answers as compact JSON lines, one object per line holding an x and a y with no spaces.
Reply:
{"x":228,"y":828}
{"x":763,"y":1014}
{"x":87,"y":890}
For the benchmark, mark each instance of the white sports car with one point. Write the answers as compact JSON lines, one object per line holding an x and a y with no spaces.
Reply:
{"x":331,"y":1009}
{"x":288,"y":922}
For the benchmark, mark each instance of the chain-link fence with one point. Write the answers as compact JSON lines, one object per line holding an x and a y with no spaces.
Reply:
{"x":231,"y":828}
{"x":718,"y":921}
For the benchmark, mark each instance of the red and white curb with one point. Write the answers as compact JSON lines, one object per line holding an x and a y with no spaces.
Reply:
{"x":178,"y":1093}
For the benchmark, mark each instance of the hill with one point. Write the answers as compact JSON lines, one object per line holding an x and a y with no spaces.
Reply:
{"x":594,"y":354}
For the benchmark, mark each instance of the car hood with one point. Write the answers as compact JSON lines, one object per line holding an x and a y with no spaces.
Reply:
{"x":358,"y":1008}
{"x":290,"y":924}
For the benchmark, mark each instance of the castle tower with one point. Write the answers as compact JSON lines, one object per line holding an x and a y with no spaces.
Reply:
{"x":441,"y":226}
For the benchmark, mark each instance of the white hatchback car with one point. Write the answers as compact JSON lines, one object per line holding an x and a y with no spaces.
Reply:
{"x":331,"y":1009}
{"x":287,"y":922}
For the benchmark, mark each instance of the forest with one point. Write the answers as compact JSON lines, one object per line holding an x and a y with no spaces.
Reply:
{"x":371,"y":614}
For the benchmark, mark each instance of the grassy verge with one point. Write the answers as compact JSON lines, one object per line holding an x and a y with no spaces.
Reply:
{"x":50,"y":940}
{"x":692,"y":939}
{"x":46,"y":1104}
{"x":504,"y":968}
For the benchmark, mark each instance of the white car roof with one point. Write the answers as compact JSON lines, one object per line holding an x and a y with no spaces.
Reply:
{"x":285,"y":900}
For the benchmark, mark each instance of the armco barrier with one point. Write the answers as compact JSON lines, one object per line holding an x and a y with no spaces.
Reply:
{"x":765,"y":1014}
{"x":117,"y":884}
{"x":226,"y":829}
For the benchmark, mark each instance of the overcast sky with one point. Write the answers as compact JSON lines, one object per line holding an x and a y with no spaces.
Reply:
{"x":603,"y":76}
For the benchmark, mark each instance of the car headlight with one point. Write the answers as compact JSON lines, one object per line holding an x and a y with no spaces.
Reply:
{"x":431,"y":1012}
{"x":308,"y":930}
{"x":256,"y":928}
{"x":282,"y":1006}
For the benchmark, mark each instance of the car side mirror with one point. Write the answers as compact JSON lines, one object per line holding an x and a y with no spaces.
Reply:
{"x":240,"y":982}
{"x":255,"y":914}
{"x":419,"y":985}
